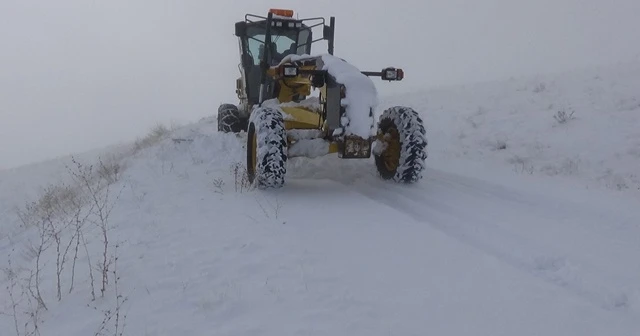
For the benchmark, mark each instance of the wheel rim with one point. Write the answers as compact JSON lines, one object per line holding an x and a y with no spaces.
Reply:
{"x":391,"y":154}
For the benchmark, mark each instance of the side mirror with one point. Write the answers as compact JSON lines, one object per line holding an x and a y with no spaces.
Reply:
{"x":327,"y":33}
{"x":241,"y":28}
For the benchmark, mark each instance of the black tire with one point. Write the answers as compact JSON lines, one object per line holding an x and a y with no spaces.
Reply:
{"x":230,"y":120}
{"x":266,"y":148}
{"x":404,"y":152}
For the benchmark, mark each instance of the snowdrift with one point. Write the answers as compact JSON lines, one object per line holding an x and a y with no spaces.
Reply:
{"x":581,"y":126}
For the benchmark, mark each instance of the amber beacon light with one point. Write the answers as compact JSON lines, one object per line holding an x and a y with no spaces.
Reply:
{"x":281,"y":12}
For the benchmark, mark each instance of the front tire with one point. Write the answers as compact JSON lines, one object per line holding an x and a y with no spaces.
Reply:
{"x":266,"y":148}
{"x":401,"y":153}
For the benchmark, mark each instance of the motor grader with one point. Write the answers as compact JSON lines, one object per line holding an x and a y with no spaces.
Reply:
{"x":282,"y":119}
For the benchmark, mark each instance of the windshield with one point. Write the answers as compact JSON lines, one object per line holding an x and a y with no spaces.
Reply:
{"x":283,"y":42}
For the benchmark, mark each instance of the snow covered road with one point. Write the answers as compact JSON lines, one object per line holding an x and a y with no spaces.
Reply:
{"x":339,"y":251}
{"x":472,"y":257}
{"x":576,"y":247}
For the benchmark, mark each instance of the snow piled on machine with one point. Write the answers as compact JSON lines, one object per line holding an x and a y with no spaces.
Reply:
{"x":311,"y":103}
{"x":361,"y":94}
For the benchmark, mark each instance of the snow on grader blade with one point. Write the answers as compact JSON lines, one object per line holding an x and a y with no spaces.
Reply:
{"x":282,"y":118}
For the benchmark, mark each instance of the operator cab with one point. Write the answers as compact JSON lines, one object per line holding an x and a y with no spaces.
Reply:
{"x":284,"y":41}
{"x":287,"y":36}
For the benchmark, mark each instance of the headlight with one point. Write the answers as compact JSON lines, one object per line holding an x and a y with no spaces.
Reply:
{"x":392,"y":74}
{"x":290,"y":71}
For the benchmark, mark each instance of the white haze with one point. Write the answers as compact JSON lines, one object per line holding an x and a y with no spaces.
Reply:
{"x":81,"y":74}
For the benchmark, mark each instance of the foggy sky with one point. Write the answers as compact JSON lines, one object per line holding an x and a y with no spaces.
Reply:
{"x":81,"y":74}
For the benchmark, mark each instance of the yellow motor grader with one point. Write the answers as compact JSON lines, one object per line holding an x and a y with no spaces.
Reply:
{"x":282,"y":119}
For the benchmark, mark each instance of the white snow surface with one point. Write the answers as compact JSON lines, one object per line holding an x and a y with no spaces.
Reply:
{"x":537,"y":238}
{"x":310,"y":148}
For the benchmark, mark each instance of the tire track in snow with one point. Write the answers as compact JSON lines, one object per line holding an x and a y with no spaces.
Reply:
{"x":456,"y":215}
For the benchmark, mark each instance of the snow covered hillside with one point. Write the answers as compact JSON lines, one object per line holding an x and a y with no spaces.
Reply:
{"x":523,"y":225}
{"x":582,"y":126}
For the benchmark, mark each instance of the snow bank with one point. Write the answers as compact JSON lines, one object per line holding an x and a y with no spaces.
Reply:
{"x":516,"y":126}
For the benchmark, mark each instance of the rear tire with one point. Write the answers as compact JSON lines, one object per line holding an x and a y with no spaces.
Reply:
{"x":230,"y":120}
{"x":266,"y":148}
{"x":404,"y":150}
